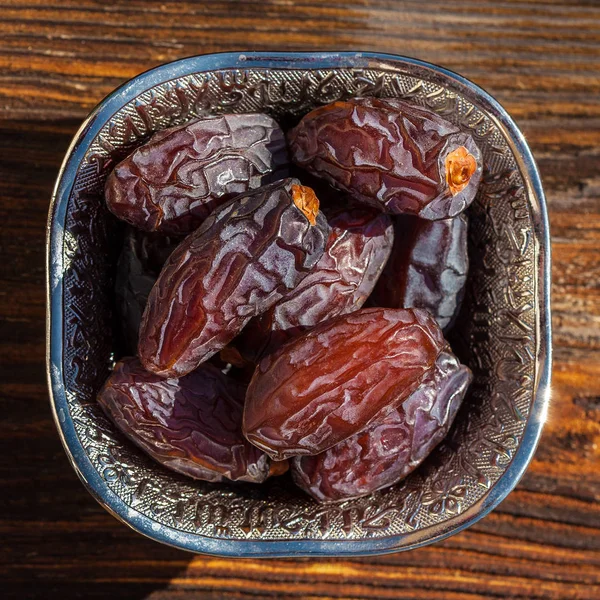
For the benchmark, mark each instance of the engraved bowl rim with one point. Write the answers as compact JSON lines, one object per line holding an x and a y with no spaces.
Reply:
{"x":54,"y":341}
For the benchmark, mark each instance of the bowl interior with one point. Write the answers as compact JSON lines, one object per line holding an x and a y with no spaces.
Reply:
{"x":497,"y":334}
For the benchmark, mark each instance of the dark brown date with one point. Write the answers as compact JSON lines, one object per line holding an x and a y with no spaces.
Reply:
{"x":329,"y":383}
{"x":358,"y":247}
{"x":191,"y":425}
{"x":398,"y":157}
{"x":242,"y":260}
{"x":427,"y":268}
{"x":175,"y":180}
{"x":142,"y":257}
{"x":391,"y":447}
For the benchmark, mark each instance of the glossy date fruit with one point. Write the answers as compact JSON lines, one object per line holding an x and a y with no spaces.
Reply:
{"x":173,"y":182}
{"x":427,"y":269}
{"x":391,"y":447}
{"x":243,"y":259}
{"x":398,"y":157}
{"x":191,"y":425}
{"x":331,"y":382}
{"x":142,"y":257}
{"x":358,"y":247}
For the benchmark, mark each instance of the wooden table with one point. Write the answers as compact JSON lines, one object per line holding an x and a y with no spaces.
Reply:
{"x":540,"y":59}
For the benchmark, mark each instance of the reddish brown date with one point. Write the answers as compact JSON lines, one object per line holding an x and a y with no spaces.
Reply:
{"x":328,"y":384}
{"x":173,"y":182}
{"x":358,"y":247}
{"x":427,"y":268}
{"x":191,"y":425}
{"x":398,"y":157}
{"x":391,"y":447}
{"x":140,"y":262}
{"x":242,"y":260}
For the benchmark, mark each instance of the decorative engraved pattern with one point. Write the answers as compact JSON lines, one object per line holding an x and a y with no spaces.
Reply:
{"x":496,"y":333}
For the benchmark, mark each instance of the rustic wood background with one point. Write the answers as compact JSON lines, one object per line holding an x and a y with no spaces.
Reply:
{"x":540,"y":59}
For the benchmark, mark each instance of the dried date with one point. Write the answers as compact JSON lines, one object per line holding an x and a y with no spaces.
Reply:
{"x":398,"y":157}
{"x":243,"y":259}
{"x":142,"y":257}
{"x":173,"y":182}
{"x":392,"y":447}
{"x":427,"y":268}
{"x":329,"y":383}
{"x":358,"y":247}
{"x":191,"y":425}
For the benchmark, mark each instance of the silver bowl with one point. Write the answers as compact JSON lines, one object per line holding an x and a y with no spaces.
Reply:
{"x":503,"y":332}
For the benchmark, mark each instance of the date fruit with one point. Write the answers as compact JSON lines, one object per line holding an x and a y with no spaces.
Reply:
{"x":191,"y":425}
{"x":142,"y":257}
{"x":427,"y":268}
{"x":358,"y":247}
{"x":242,"y":260}
{"x":398,"y":157}
{"x":391,"y":447}
{"x":328,"y":384}
{"x":177,"y":178}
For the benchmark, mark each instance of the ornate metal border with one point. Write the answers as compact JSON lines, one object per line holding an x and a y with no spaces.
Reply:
{"x":360,"y":527}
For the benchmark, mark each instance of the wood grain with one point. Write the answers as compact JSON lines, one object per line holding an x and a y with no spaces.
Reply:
{"x":540,"y":59}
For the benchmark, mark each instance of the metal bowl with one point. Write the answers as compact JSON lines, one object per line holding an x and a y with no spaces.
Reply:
{"x":503,"y":332}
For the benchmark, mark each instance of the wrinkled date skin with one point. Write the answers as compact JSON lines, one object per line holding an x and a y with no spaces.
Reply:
{"x":358,"y":247}
{"x":398,"y":157}
{"x":427,"y":269}
{"x":140,"y":262}
{"x":191,"y":425}
{"x":391,"y":448}
{"x":242,"y":260}
{"x":329,"y":383}
{"x":175,"y":180}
